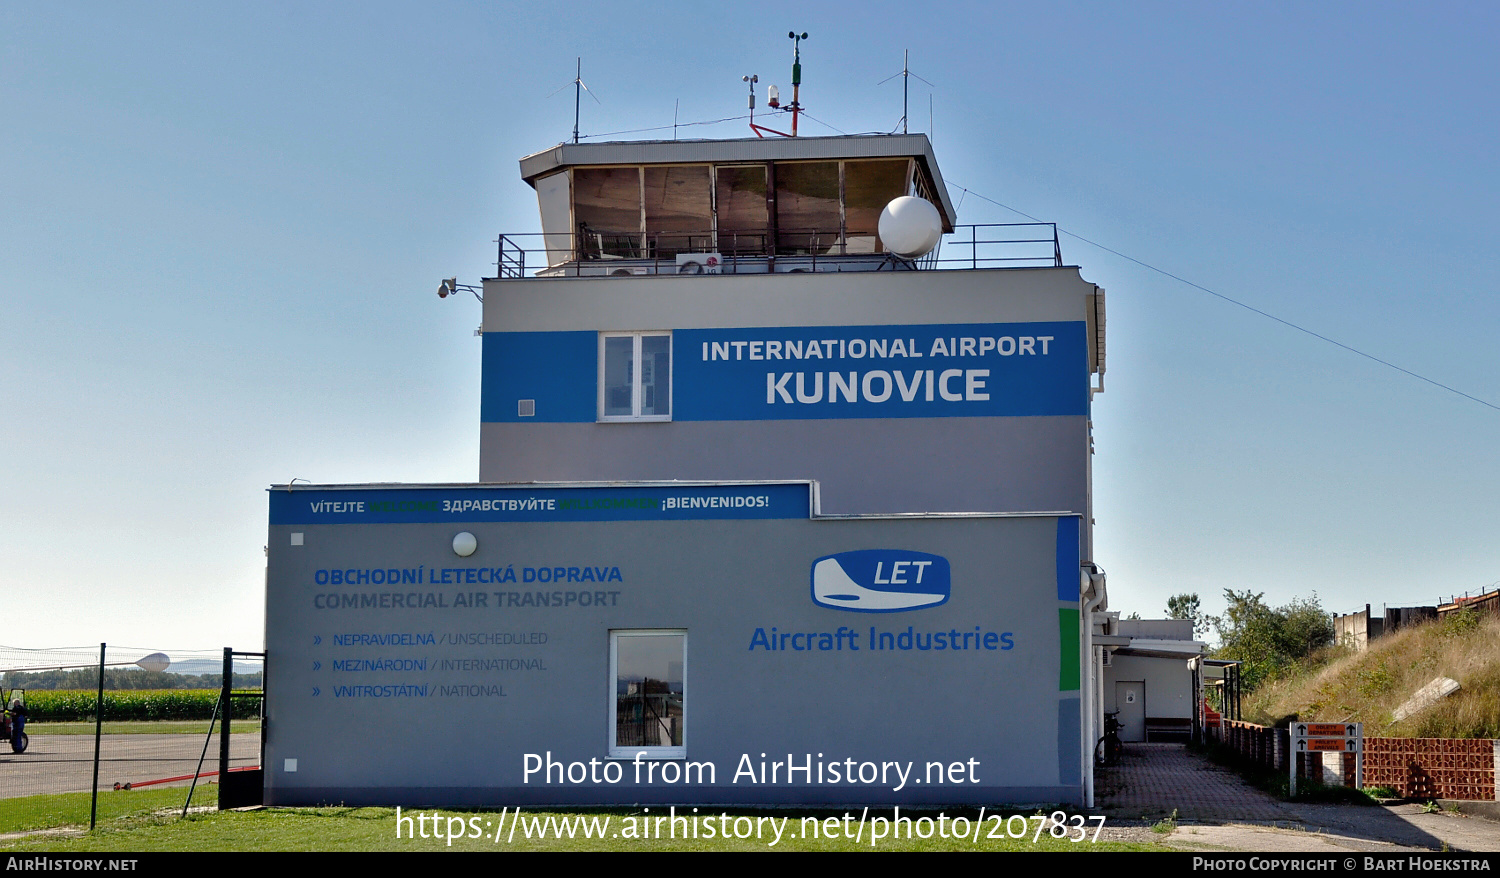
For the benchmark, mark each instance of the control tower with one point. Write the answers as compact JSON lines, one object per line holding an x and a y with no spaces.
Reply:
{"x":729,"y":310}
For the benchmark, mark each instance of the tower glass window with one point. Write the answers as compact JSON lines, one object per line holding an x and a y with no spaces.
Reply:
{"x":743,"y":221}
{"x":808,"y":216}
{"x":678,"y":210}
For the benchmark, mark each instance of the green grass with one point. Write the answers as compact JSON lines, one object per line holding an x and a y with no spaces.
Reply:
{"x":67,"y":810}
{"x":161,"y":727}
{"x":132,"y":825}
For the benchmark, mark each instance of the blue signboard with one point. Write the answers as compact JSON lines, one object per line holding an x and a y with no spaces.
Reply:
{"x":526,"y":503}
{"x":932,"y":371}
{"x":807,"y":372}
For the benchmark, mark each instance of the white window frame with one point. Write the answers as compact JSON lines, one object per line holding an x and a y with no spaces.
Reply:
{"x":617,"y":751}
{"x":637,"y":394}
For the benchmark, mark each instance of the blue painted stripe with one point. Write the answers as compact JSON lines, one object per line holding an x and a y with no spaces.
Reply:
{"x":1068,"y":556}
{"x":487,"y":503}
{"x":557,"y":370}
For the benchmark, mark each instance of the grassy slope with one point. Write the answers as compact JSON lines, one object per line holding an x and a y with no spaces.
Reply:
{"x":1337,"y":685}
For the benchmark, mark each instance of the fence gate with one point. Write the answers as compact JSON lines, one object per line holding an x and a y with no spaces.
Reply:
{"x":239,"y":787}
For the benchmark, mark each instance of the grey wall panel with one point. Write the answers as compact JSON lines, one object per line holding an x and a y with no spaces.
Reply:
{"x":823,"y":299}
{"x":1069,"y":730}
{"x":891,"y":465}
{"x":415,"y":743}
{"x":1169,"y":684}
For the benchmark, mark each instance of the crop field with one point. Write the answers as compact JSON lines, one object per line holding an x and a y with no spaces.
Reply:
{"x":148,"y":705}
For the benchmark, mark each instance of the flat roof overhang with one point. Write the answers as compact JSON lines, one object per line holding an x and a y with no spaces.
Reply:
{"x":1177,"y":649}
{"x":747,"y":149}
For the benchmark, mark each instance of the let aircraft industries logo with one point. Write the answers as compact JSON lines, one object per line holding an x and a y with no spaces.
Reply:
{"x":881,"y":581}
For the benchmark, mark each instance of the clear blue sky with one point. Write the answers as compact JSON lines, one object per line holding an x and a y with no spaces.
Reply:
{"x":223,"y":225}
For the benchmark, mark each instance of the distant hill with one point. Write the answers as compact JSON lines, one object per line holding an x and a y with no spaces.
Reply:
{"x":1338,"y":685}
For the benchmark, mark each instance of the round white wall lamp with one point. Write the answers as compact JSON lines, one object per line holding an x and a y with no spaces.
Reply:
{"x":464,"y":544}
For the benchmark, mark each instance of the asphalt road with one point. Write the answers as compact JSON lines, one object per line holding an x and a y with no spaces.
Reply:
{"x":65,"y":763}
{"x":1342,"y":830}
{"x":1215,"y":810}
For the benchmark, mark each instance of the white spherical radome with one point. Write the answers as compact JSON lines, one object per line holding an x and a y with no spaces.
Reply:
{"x":910,"y":227}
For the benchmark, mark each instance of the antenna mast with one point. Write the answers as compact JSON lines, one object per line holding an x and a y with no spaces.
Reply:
{"x":773,"y":97}
{"x":905,"y":85}
{"x":752,"y":79}
{"x":578,"y":89}
{"x":796,"y":106}
{"x":906,"y":76}
{"x":577,"y":96}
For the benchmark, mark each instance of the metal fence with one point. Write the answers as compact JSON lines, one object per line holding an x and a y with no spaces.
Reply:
{"x":141,"y":720}
{"x":599,"y":252}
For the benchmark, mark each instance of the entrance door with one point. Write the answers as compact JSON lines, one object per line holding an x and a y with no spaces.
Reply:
{"x":1130,"y":701}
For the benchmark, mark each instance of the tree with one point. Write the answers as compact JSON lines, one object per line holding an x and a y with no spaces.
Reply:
{"x":1185,"y":606}
{"x":1268,"y":641}
{"x":1307,"y":627}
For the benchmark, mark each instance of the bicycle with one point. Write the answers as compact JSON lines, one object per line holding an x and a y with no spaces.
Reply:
{"x":1107,"y":751}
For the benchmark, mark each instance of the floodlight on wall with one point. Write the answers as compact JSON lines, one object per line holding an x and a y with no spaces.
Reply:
{"x":450,"y":287}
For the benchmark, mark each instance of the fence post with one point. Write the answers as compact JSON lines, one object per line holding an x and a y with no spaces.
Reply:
{"x":226,"y":684}
{"x":198,"y":772}
{"x":98,"y":735}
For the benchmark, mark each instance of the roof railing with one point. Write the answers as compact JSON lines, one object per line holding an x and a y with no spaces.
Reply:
{"x":593,"y":252}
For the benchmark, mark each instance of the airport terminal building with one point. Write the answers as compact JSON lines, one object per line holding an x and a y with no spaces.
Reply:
{"x":767,"y":514}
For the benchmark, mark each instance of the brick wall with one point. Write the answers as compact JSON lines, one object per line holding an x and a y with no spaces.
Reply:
{"x":1432,"y":768}
{"x":1262,"y":745}
{"x":1418,"y":768}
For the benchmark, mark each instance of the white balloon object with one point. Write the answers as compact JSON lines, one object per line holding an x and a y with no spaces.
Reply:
{"x":156,"y":661}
